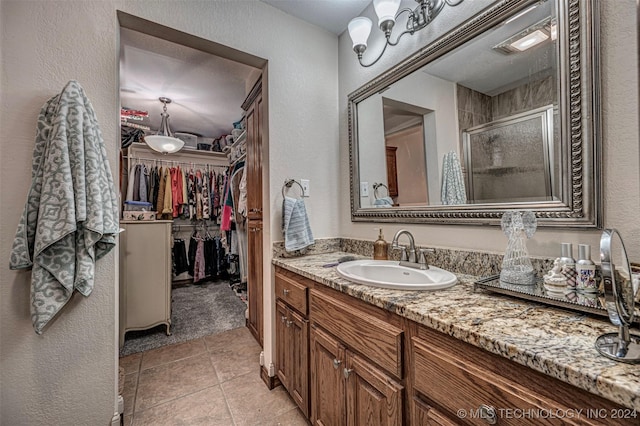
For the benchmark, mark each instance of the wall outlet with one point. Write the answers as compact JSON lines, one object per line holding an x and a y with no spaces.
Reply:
{"x":364,"y":189}
{"x":306,"y":191}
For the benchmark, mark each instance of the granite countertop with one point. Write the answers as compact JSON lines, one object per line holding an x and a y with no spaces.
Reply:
{"x":556,"y":342}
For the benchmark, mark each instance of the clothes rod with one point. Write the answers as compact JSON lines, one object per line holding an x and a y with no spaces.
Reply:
{"x":191,"y":163}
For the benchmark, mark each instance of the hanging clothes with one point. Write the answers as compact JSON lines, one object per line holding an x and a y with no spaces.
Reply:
{"x":136,"y":183}
{"x":176,"y":192}
{"x":185,"y":196}
{"x":205,"y":196}
{"x":199,"y":265}
{"x":144,"y":183}
{"x":211,"y":258}
{"x":167,"y":207}
{"x":180,"y":262}
{"x":161,"y":191}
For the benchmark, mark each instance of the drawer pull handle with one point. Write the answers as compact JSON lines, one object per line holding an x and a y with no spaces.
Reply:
{"x":283,"y":319}
{"x":347,"y":372}
{"x":488,"y":413}
{"x":289,"y":323}
{"x":336,"y":363}
{"x":285,"y":292}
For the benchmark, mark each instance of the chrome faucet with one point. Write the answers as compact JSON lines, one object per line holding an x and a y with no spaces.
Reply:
{"x":410,"y":260}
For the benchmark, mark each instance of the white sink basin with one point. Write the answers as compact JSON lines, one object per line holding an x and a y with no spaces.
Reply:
{"x":389,"y":274}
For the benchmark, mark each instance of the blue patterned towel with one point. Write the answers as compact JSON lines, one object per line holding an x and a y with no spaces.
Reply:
{"x":70,"y":218}
{"x":295,"y":225}
{"x":453,"y":190}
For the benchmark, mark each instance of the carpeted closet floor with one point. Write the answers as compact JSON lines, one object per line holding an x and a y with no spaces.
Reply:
{"x":197,"y":310}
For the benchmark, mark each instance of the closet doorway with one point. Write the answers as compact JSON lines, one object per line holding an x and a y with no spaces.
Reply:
{"x":192,"y":266}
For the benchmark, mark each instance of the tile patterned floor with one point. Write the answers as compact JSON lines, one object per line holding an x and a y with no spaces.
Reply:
{"x":210,"y":381}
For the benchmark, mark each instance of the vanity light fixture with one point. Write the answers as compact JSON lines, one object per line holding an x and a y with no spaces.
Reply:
{"x":387,"y":12}
{"x":164,"y":141}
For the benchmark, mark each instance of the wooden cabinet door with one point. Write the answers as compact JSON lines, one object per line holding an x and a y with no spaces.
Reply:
{"x":253,"y":169}
{"x":253,"y":165}
{"x":392,"y":171}
{"x":299,"y":360}
{"x":254,"y":279}
{"x":373,"y":398}
{"x":327,"y":381}
{"x":282,"y":344}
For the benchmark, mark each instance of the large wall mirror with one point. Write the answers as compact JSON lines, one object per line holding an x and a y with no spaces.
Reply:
{"x":498,"y":114}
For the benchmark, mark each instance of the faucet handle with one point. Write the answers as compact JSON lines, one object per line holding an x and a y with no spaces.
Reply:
{"x":422,"y":257}
{"x":403,"y":253}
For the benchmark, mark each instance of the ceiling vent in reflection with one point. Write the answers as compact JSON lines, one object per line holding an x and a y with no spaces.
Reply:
{"x":541,"y":32}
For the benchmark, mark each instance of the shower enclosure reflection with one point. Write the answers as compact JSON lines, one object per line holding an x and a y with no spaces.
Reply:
{"x":511,"y":159}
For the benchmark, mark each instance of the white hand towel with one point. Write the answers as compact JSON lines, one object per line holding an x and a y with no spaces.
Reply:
{"x":295,"y":225}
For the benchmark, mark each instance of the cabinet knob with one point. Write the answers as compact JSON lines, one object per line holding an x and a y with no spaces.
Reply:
{"x":285,"y":291}
{"x":336,"y":363}
{"x":488,"y":413}
{"x":255,"y":210}
{"x":283,"y":319}
{"x":289,"y":323}
{"x":347,"y":372}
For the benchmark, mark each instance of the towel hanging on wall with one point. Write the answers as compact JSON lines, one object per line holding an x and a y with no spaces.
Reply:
{"x":70,"y":218}
{"x":453,"y":189}
{"x":295,"y":223}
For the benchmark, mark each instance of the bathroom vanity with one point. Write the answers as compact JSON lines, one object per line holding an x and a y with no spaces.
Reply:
{"x":353,"y":354}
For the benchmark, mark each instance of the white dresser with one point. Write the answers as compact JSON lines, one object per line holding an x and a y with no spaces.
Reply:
{"x":145,"y":275}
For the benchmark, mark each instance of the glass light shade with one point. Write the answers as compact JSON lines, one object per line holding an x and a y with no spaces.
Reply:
{"x":164,"y":144}
{"x":386,"y":10}
{"x":359,"y":30}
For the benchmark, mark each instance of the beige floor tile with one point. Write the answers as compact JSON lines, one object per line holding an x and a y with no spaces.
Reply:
{"x":170,"y":381}
{"x":252,"y":403}
{"x":237,"y":361}
{"x":131,"y":363}
{"x":167,"y":354}
{"x":129,"y":392}
{"x":230,"y":340}
{"x":290,"y":418}
{"x":206,"y":407}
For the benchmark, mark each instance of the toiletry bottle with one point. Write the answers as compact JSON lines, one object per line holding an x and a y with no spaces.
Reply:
{"x":380,"y":248}
{"x":585,"y":270}
{"x":569,"y":264}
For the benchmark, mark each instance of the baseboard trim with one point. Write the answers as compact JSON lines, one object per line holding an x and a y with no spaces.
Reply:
{"x":271,"y":382}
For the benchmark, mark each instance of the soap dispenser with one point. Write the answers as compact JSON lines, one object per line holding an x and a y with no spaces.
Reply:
{"x":380,"y":247}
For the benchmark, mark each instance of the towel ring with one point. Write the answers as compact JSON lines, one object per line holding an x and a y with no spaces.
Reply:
{"x":377,"y":186}
{"x":289,"y":183}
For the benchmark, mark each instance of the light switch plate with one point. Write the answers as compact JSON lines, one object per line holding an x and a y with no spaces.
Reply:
{"x":306,"y":190}
{"x":364,"y":189}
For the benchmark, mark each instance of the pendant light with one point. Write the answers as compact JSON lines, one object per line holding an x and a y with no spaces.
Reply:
{"x":164,"y":141}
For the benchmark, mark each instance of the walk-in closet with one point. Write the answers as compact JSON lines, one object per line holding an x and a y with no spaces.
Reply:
{"x":190,"y":189}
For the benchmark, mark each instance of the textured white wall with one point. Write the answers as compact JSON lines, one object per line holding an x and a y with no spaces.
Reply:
{"x":68,"y":375}
{"x":619,"y":76}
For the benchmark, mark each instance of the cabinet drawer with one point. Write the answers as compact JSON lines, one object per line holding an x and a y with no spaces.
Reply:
{"x":292,"y":292}
{"x":379,"y":341}
{"x":462,"y":386}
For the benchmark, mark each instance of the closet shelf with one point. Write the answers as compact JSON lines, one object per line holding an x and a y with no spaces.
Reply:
{"x":240,"y":140}
{"x":137,"y":149}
